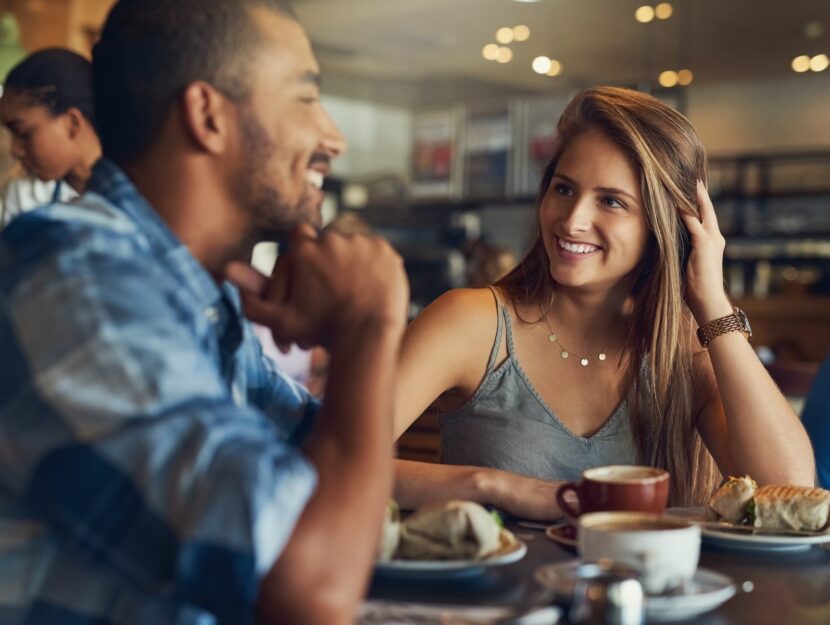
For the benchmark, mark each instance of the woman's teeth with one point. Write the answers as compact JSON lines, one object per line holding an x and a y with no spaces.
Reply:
{"x":577,"y":248}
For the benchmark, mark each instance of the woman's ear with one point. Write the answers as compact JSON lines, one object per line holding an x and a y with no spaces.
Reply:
{"x":74,"y":120}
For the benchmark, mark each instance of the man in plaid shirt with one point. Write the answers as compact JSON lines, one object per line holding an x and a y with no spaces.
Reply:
{"x":154,"y":467}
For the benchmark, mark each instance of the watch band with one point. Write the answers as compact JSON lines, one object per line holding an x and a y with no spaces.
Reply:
{"x":735,"y":322}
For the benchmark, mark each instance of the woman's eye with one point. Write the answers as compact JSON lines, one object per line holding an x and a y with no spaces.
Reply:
{"x":613,"y":202}
{"x":563,"y":189}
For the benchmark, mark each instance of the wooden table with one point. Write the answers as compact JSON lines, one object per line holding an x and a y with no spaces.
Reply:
{"x":790,"y":589}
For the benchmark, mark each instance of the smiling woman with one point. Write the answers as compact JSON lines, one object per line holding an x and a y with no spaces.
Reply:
{"x":627,"y":261}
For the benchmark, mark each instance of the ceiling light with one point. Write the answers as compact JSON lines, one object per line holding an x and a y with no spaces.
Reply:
{"x":555,"y":68}
{"x":490,"y":51}
{"x":801,"y":63}
{"x":505,"y":55}
{"x":644,"y":14}
{"x":685,"y":77}
{"x":504,"y":34}
{"x":668,"y":78}
{"x":819,"y":62}
{"x":541,"y":65}
{"x":663,"y":11}
{"x":527,"y":1}
{"x":813,"y":29}
{"x":521,"y":33}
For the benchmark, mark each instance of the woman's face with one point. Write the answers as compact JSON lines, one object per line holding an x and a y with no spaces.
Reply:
{"x":41,"y":141}
{"x":592,"y":216}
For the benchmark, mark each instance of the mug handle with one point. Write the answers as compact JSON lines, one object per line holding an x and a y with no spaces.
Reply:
{"x":564,"y":505}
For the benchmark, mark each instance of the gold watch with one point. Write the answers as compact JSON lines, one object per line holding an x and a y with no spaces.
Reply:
{"x":736,"y":322}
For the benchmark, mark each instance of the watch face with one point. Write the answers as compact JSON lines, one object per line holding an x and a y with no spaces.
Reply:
{"x":744,"y":322}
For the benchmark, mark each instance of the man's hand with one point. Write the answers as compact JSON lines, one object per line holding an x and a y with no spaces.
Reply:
{"x":324,"y":286}
{"x":348,"y":294}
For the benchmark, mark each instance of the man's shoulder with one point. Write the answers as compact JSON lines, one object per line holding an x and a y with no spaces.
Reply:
{"x":86,"y":225}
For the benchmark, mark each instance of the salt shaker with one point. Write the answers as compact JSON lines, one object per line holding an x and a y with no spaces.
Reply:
{"x":611,"y":598}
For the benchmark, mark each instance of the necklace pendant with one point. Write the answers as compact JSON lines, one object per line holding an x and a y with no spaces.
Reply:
{"x":552,"y":337}
{"x":602,"y":356}
{"x":584,"y":362}
{"x":564,"y":353}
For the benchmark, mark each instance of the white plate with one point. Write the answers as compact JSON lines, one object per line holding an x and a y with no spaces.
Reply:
{"x":745,"y":541}
{"x":433,"y":569}
{"x":705,"y":592}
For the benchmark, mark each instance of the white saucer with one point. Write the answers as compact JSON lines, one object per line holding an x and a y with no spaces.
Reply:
{"x":706,"y":591}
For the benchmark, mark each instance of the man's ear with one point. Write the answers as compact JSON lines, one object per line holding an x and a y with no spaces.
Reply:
{"x":205,"y":118}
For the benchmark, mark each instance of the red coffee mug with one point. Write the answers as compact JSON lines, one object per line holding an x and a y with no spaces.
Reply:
{"x":618,"y":487}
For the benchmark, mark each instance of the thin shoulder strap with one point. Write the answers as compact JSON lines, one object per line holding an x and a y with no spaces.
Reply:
{"x":500,"y":317}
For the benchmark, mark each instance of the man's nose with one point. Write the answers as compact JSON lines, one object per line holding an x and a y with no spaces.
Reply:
{"x":332,"y":142}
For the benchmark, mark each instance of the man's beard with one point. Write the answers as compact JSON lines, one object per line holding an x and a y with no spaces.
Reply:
{"x":273,"y":217}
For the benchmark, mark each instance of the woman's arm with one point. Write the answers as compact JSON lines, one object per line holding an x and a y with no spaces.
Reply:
{"x":748,"y":425}
{"x":418,"y":483}
{"x":444,"y":350}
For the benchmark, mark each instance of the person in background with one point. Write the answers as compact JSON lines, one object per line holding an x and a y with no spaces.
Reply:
{"x":585,"y":354}
{"x":816,"y":419}
{"x":47,"y":107}
{"x":155,"y":468}
{"x":488,"y":264}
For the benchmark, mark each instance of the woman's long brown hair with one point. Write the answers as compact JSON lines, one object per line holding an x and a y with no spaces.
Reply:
{"x":669,"y":158}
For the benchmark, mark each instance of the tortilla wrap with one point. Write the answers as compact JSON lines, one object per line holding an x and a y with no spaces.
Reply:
{"x":792,"y":507}
{"x":454,"y":530}
{"x":730,"y":501}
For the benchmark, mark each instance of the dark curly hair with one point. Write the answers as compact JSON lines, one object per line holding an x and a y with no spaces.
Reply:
{"x":55,"y":78}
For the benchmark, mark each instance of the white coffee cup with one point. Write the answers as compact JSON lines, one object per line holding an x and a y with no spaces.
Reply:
{"x":665,"y":551}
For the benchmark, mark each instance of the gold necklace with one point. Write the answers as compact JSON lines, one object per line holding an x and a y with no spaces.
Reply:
{"x":584,"y":360}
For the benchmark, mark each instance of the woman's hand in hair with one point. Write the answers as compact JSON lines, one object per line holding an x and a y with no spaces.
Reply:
{"x":705,"y":292}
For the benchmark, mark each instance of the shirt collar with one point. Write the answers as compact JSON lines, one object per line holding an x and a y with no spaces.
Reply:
{"x":112,"y":182}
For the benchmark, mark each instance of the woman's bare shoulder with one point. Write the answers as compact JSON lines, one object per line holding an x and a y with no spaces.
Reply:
{"x":462,"y":318}
{"x":471,"y":313}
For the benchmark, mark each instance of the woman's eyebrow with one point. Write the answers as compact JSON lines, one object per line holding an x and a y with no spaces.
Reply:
{"x":614,"y":190}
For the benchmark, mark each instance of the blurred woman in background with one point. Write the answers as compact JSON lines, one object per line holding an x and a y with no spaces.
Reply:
{"x":47,"y":107}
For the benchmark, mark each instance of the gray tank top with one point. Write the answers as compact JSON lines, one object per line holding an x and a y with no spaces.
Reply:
{"x":506,"y":425}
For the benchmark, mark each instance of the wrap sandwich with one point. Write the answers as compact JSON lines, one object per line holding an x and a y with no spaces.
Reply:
{"x":775,"y":507}
{"x":461,"y":530}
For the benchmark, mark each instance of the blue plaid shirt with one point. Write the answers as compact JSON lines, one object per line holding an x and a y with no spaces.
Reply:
{"x":149,"y":469}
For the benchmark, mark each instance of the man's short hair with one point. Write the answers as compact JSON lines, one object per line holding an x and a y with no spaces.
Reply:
{"x":150,"y":50}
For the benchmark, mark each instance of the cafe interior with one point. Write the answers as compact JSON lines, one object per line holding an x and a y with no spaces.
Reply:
{"x":449,"y":108}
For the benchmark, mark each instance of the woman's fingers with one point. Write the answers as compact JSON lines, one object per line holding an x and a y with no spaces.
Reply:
{"x":707,"y":210}
{"x":693,"y":224}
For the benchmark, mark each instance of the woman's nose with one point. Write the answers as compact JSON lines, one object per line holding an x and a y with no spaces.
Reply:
{"x":579,"y":217}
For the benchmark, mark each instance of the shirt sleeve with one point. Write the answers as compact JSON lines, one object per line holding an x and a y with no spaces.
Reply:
{"x":278,"y":395}
{"x":120,"y":433}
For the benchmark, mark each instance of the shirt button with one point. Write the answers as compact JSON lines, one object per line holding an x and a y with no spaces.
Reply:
{"x":212,"y":314}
